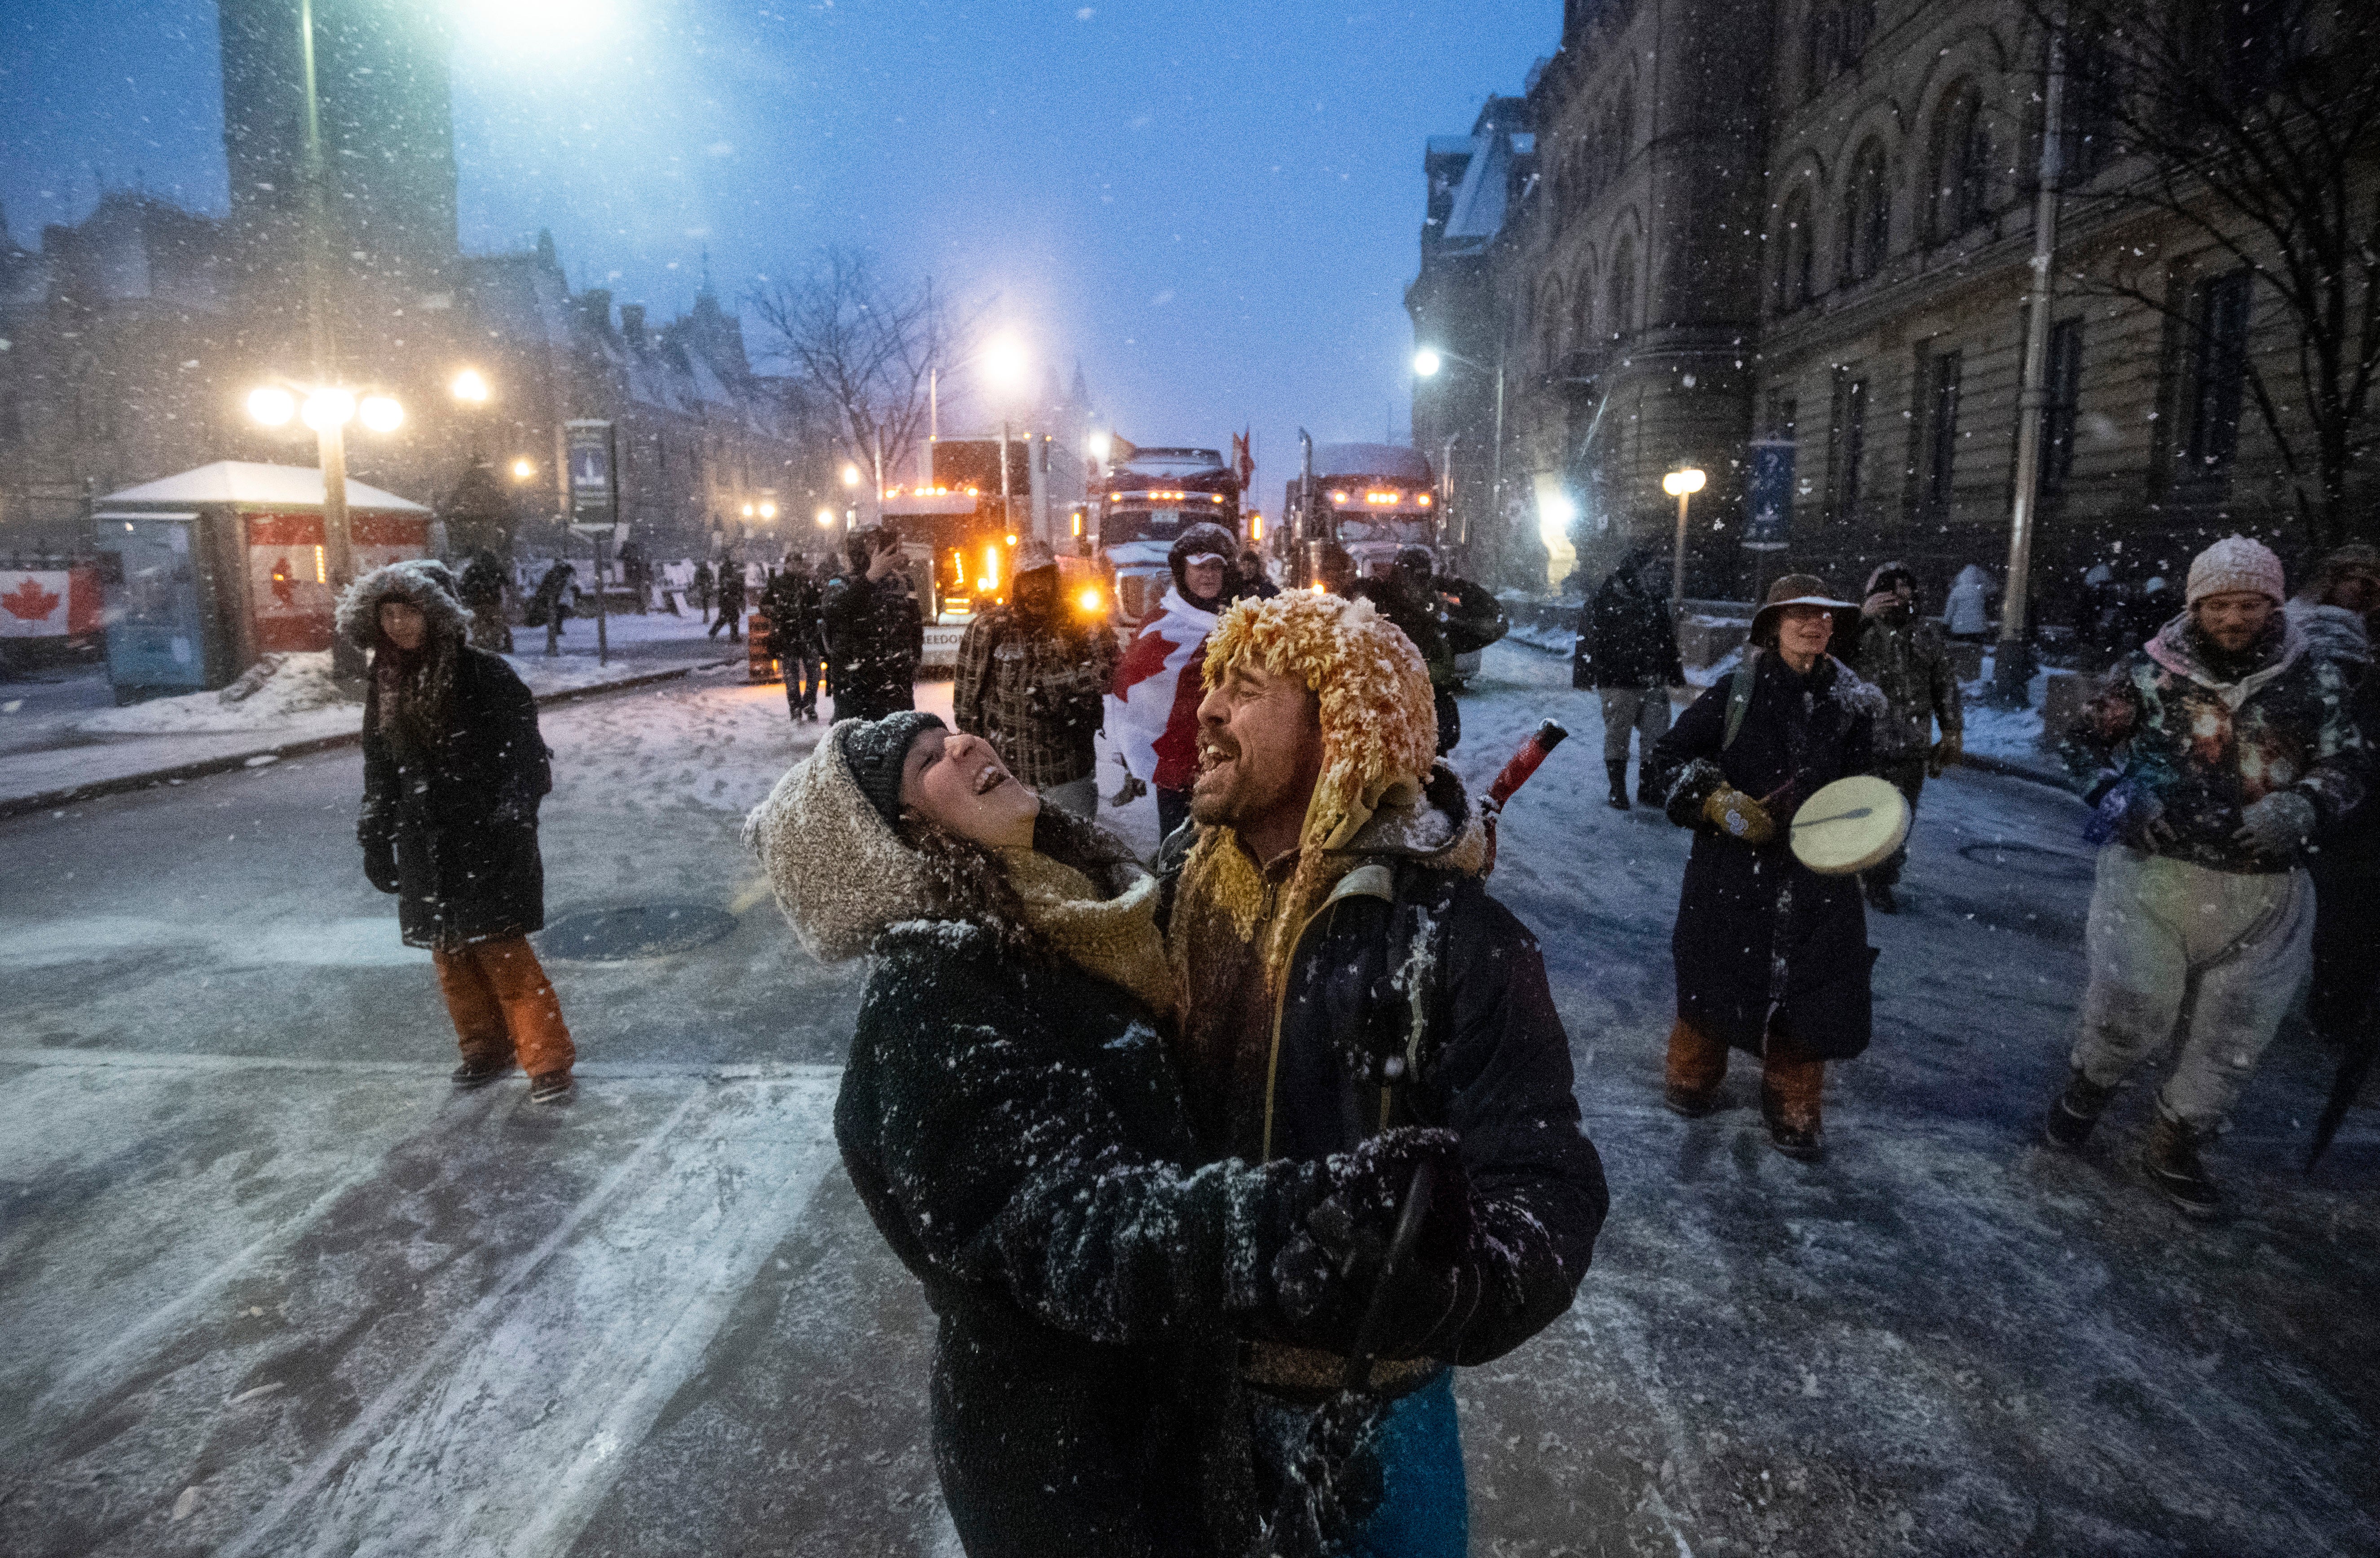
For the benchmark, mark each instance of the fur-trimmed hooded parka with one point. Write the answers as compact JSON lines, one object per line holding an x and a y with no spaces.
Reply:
{"x":1013,"y":1125}
{"x":453,"y":770}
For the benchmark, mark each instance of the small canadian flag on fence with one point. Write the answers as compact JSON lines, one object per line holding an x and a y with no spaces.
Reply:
{"x":48,"y":602}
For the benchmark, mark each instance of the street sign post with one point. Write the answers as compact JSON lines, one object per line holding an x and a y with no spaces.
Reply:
{"x":594,"y":505}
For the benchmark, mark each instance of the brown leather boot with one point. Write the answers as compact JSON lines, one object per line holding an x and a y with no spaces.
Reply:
{"x":1696,"y":1064}
{"x":1790,"y":1083}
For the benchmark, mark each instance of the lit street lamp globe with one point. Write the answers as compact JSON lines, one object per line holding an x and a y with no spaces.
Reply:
{"x":851,"y":476}
{"x":272,"y":406}
{"x":381,"y":413}
{"x":1679,"y":483}
{"x":470,"y":388}
{"x":768,"y":511}
{"x":1004,"y":361}
{"x":826,"y":518}
{"x":1427,"y":362}
{"x":524,"y":469}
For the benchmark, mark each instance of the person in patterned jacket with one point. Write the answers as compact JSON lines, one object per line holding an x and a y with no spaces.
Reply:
{"x":2214,"y":754}
{"x":1904,"y":656}
{"x":1032,"y":677}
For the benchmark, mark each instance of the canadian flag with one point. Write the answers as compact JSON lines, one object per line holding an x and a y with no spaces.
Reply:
{"x":1152,"y":706}
{"x":48,"y":602}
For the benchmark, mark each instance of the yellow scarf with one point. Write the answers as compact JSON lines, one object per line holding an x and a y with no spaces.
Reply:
{"x":1114,"y":939}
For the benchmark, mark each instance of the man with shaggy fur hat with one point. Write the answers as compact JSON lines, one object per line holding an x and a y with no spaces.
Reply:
{"x":1343,"y":972}
{"x":453,"y":770}
{"x":2214,"y":753}
{"x":1904,"y":656}
{"x":1031,"y":677}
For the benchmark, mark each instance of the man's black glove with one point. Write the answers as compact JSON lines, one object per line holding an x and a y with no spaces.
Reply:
{"x":380,"y":863}
{"x":1332,"y":1268}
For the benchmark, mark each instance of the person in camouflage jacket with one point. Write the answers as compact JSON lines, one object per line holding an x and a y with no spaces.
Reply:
{"x":1031,"y":677}
{"x":1905,"y":656}
{"x":2214,"y":754}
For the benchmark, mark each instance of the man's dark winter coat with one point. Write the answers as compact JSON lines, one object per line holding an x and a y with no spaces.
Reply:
{"x":792,"y":603}
{"x":1799,"y":734}
{"x":1625,"y":638}
{"x":731,"y":589}
{"x":875,"y":637}
{"x":1406,"y":932}
{"x":453,"y":826}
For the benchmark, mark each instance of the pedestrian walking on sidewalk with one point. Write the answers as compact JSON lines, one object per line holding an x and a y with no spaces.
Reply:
{"x":1404,"y":595}
{"x":791,"y":603}
{"x":731,"y":602}
{"x":1011,"y":1121}
{"x":1344,"y":973}
{"x":453,"y":770}
{"x":700,"y":590}
{"x":1902,"y":655}
{"x":1627,"y":651}
{"x":1031,"y":677}
{"x":1152,"y":705}
{"x":1772,"y":958}
{"x":2216,"y":755}
{"x":550,"y":604}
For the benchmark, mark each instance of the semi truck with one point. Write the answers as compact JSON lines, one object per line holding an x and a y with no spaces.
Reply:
{"x":1370,"y":498}
{"x":1143,"y":504}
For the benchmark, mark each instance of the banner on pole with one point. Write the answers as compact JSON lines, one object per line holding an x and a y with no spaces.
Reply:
{"x":1769,"y":495}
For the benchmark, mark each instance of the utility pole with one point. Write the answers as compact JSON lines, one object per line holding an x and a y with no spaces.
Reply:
{"x":330,"y":440}
{"x":2013,"y":663}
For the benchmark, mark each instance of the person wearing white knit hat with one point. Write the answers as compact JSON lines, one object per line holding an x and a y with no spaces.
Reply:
{"x":2214,"y":753}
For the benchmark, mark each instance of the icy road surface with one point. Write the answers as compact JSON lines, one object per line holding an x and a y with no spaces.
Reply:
{"x":268,"y":1286}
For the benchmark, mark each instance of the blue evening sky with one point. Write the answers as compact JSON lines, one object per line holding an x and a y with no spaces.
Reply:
{"x":1215,"y":207}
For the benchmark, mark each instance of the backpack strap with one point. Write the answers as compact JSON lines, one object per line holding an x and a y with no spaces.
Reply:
{"x":1739,"y":695}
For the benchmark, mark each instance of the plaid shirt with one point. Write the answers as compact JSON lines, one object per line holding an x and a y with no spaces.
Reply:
{"x":1033,"y":689}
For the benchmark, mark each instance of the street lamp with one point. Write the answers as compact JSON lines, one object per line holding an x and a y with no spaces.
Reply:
{"x":767,"y":509}
{"x":523,"y":470}
{"x":1427,"y":362}
{"x":1681,"y":484}
{"x":850,"y":474}
{"x":328,"y":409}
{"x":826,"y":518}
{"x":470,"y":388}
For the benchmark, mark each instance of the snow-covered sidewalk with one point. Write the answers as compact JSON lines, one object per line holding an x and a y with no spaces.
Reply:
{"x":284,"y":706}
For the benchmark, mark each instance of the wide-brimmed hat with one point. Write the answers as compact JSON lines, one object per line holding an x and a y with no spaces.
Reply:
{"x":1801,"y":590}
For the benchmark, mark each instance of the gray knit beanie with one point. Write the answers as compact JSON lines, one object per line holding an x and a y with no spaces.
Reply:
{"x":874,"y":753}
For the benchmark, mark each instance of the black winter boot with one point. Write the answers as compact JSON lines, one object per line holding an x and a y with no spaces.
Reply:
{"x":1647,"y":792}
{"x":2077,"y":1110}
{"x":2170,"y":1159}
{"x":1619,"y":772}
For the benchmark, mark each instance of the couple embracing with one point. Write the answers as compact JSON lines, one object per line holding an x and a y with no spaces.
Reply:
{"x":1149,"y":1142}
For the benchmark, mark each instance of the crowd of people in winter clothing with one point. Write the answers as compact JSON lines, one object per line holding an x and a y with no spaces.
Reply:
{"x":1214,"y":1166}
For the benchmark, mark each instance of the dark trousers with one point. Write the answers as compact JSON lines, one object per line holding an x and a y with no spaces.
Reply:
{"x":1450,"y":719}
{"x":2346,"y":975}
{"x":803,"y":679}
{"x":1907,"y":775}
{"x":1172,"y":810}
{"x":733,"y":622}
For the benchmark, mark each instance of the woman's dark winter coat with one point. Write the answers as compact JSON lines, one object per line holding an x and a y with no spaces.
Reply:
{"x":1015,"y":1128}
{"x":875,"y":636}
{"x":1799,"y":734}
{"x":450,"y":826}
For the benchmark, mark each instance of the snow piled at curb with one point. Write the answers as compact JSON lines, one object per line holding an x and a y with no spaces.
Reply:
{"x":294,"y":694}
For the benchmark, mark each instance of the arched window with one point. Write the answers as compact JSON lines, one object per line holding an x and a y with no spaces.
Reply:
{"x":1550,"y":327}
{"x":1582,"y":307}
{"x":1793,"y":253}
{"x":1622,"y":313}
{"x":1821,"y":35}
{"x":1867,"y":215}
{"x":1959,"y":186}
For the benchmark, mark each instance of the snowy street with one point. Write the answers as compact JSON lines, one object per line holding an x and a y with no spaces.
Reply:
{"x":269,"y":1285}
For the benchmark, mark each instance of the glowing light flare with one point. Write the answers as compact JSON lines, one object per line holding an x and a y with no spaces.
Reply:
{"x":991,"y":580}
{"x":1427,"y":362}
{"x":768,"y":511}
{"x":1423,"y":499}
{"x":524,"y":469}
{"x":1091,"y":602}
{"x":379,"y":413}
{"x":469,"y":387}
{"x":272,"y":406}
{"x":328,"y":409}
{"x":1097,"y":445}
{"x":1556,"y":514}
{"x":1004,"y":360}
{"x":1338,"y":497}
{"x":321,"y":567}
{"x":850,"y":475}
{"x":1255,"y":526}
{"x":1679,"y":483}
{"x":826,"y":518}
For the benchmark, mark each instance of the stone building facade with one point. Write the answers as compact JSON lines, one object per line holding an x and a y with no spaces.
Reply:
{"x":130,"y":340}
{"x":1804,"y":227}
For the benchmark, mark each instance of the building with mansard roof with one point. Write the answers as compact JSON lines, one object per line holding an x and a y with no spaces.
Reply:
{"x":1790,"y":243}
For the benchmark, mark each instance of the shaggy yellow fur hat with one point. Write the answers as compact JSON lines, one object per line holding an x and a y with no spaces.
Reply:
{"x":1379,"y":723}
